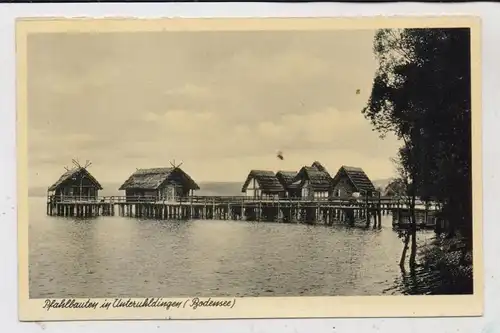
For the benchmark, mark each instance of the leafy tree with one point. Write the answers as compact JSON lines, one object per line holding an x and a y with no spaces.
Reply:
{"x":421,"y":93}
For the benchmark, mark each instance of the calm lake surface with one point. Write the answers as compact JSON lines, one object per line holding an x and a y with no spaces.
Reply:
{"x":129,"y":257}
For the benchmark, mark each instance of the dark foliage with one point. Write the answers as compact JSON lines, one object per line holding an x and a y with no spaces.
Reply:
{"x":422,"y":93}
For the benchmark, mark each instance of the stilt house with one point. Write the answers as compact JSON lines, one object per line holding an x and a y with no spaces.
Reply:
{"x":313,"y":181}
{"x":261,"y":184}
{"x":76,"y":184}
{"x":350,"y":180}
{"x":159,"y":184}
{"x":286,"y":178}
{"x":395,"y":188}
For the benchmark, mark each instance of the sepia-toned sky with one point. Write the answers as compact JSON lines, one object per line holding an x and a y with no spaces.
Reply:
{"x":221,"y":102}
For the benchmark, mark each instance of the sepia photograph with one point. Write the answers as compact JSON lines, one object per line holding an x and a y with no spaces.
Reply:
{"x":219,"y":162}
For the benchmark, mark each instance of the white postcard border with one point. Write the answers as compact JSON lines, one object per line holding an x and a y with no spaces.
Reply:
{"x":259,"y":307}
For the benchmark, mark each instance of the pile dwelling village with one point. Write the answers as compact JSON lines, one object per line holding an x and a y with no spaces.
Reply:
{"x":309,"y":195}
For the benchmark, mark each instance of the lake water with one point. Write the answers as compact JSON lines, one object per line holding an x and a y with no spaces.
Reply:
{"x":129,"y":257}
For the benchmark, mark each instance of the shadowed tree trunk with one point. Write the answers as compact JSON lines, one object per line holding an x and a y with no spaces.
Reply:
{"x":405,"y":250}
{"x":413,"y":232}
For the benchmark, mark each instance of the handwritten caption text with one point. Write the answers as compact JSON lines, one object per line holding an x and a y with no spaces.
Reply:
{"x":150,"y":302}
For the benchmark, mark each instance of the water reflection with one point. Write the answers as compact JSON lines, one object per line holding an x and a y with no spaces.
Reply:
{"x":438,"y":272}
{"x":126,"y":257}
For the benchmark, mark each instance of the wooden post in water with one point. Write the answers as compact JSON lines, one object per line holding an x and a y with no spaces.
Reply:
{"x":191,"y":205}
{"x":317,"y":212}
{"x":279,"y":211}
{"x":242,"y":215}
{"x":379,"y":211}
{"x":259,"y":210}
{"x":367,"y":211}
{"x":213,"y":209}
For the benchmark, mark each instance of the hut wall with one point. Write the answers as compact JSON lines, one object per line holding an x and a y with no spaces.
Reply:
{"x":185,"y":192}
{"x":284,"y":194}
{"x":132,"y":194}
{"x":321,"y":194}
{"x":167,"y":192}
{"x":344,"y":187}
{"x":172,"y":191}
{"x":272,"y":195}
{"x":253,"y":190}
{"x":265,"y":195}
{"x":294,"y":193}
{"x":178,"y":180}
{"x":78,"y":188}
{"x":307,"y":191}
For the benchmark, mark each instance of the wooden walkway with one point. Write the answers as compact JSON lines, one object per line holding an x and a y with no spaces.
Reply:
{"x":294,"y":210}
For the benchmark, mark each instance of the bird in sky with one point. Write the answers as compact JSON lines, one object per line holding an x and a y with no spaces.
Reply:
{"x":358,"y":91}
{"x":279,"y":155}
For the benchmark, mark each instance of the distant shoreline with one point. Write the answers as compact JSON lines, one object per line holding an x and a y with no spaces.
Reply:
{"x":111,"y":189}
{"x":207,"y":188}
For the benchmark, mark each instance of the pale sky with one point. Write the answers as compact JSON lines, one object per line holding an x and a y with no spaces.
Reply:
{"x":221,"y":102}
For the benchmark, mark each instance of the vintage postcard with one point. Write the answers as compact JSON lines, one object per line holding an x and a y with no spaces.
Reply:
{"x":249,"y":168}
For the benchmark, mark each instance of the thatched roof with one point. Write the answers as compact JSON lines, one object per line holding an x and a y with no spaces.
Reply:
{"x":286,"y":178}
{"x":357,"y":176}
{"x":320,"y":180}
{"x":319,"y":166}
{"x":154,"y":178}
{"x":394,"y":188}
{"x":267,"y":180}
{"x":73,"y":174}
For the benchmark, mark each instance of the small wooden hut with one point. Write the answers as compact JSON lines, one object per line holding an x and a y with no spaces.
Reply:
{"x":76,"y":184}
{"x":159,"y":184}
{"x":286,"y":178}
{"x":350,"y":180}
{"x":313,"y":181}
{"x":395,"y":188}
{"x":262,"y":184}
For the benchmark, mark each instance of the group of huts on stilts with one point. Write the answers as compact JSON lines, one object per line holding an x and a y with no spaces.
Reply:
{"x":305,"y":195}
{"x":309,"y":183}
